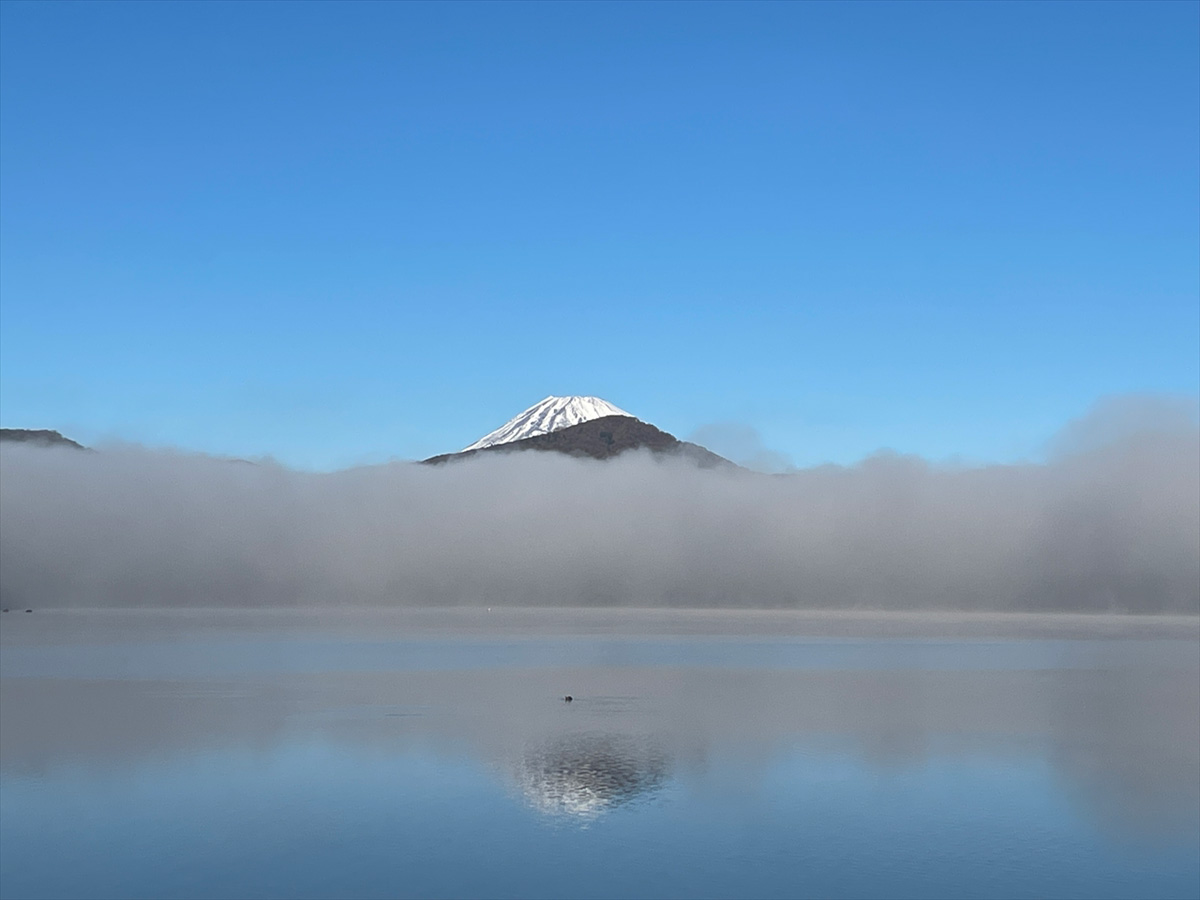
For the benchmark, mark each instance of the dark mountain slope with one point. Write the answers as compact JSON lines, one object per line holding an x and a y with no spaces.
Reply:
{"x":602,"y":439}
{"x":42,"y":438}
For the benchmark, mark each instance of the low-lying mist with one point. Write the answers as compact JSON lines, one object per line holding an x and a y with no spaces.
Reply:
{"x":1110,"y":522}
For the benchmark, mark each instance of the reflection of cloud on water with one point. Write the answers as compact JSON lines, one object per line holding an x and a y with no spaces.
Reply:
{"x":587,"y":774}
{"x":1138,"y":766}
{"x":1115,"y":719}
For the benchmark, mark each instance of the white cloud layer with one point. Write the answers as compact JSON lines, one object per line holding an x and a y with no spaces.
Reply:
{"x":1110,"y":522}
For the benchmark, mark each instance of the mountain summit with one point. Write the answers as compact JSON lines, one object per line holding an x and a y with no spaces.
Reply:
{"x":551,"y":414}
{"x":586,"y":427}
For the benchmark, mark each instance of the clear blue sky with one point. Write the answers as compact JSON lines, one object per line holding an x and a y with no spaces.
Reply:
{"x":340,"y":233}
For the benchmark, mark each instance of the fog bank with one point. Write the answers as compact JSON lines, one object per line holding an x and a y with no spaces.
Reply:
{"x":1110,"y":522}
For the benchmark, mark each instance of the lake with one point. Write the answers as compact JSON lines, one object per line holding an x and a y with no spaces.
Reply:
{"x":323,"y":753}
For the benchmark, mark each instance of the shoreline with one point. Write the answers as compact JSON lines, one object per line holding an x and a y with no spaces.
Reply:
{"x":618,"y":622}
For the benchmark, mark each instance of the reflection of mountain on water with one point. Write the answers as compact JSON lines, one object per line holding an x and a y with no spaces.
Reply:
{"x":587,"y":774}
{"x":1115,"y":720}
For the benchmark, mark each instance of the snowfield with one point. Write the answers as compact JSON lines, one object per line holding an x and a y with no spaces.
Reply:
{"x":552,"y":414}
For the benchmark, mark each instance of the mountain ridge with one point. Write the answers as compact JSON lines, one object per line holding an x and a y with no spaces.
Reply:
{"x":43,"y":437}
{"x":601,"y":438}
{"x":546,"y":416}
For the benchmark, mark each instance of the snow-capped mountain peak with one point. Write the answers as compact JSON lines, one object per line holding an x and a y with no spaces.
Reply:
{"x":552,"y":414}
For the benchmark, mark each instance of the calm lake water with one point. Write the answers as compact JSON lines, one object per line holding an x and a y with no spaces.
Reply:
{"x":364,"y":754}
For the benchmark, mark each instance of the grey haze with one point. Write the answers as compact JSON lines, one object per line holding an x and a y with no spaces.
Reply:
{"x":1109,"y":521}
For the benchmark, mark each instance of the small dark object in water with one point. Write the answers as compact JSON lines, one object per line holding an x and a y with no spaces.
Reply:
{"x":3,"y":610}
{"x":568,"y":698}
{"x":29,"y":610}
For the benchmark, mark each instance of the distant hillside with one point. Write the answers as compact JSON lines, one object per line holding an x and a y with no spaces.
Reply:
{"x":601,"y":439}
{"x":41,"y":437}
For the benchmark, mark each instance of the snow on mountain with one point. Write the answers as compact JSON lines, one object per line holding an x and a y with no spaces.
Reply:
{"x":552,"y":414}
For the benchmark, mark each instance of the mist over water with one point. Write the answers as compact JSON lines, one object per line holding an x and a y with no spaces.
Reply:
{"x":1109,"y":522}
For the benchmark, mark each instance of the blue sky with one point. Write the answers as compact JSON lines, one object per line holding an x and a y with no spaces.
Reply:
{"x":345,"y":233}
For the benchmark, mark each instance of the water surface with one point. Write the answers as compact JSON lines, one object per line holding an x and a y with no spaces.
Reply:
{"x":370,"y":754}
